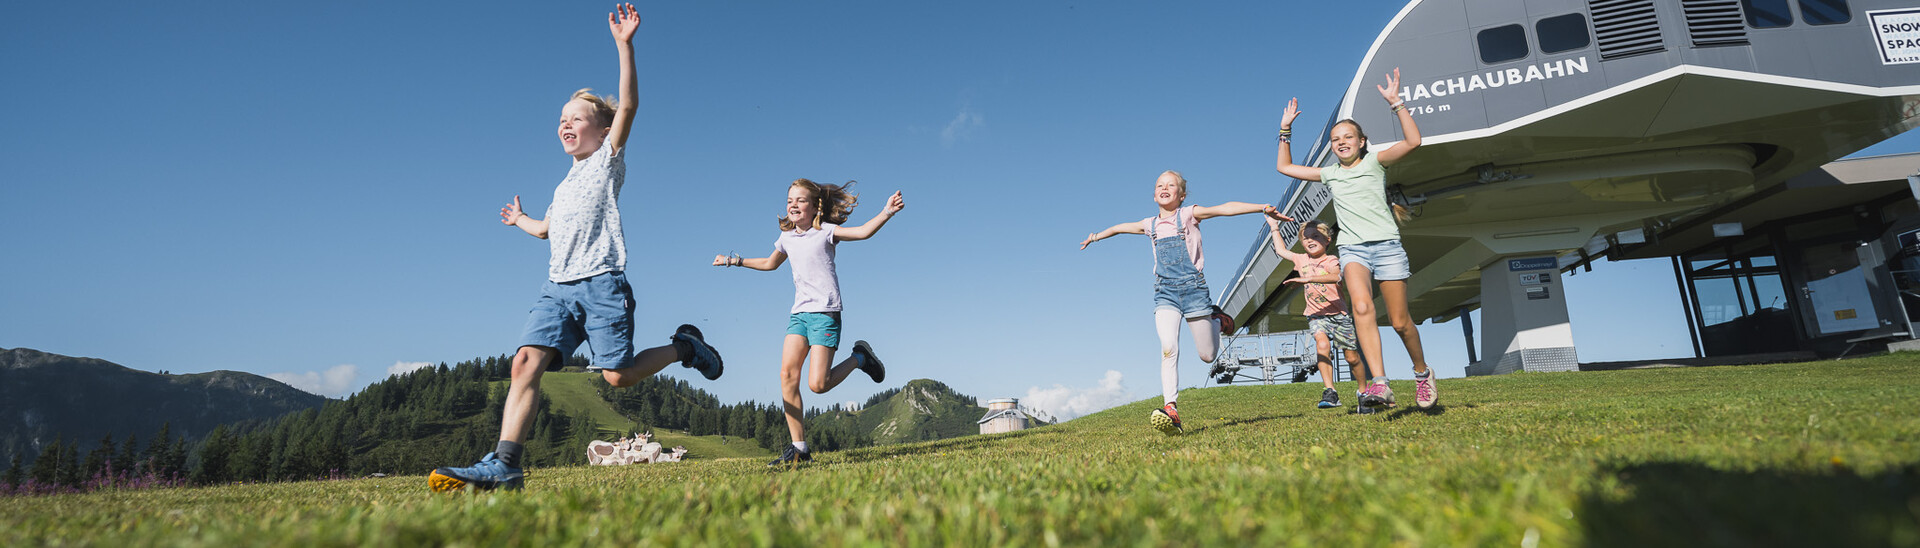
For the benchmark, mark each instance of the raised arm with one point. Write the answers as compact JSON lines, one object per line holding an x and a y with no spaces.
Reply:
{"x":1122,"y":228}
{"x":623,"y":23}
{"x":1284,"y":164}
{"x":763,"y":264}
{"x":513,"y":216}
{"x":1280,"y":245}
{"x":1391,"y":92}
{"x":894,"y":204}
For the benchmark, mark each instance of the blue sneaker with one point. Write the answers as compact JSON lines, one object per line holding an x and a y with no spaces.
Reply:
{"x":487,"y":474}
{"x":1329,"y":398}
{"x":695,"y":353}
{"x":869,"y":362}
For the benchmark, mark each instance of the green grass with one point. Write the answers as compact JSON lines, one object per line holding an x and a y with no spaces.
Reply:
{"x":574,"y":393}
{"x":1824,"y":453}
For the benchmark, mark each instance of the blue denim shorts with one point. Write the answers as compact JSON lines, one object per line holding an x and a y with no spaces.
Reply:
{"x":1189,"y":296}
{"x":1386,"y":259}
{"x":597,"y":310}
{"x":820,"y":328}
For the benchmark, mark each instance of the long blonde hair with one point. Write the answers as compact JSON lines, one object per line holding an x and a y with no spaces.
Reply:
{"x":832,"y":203}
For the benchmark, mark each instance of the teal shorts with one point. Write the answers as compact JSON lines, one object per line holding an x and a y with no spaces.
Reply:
{"x":820,"y":328}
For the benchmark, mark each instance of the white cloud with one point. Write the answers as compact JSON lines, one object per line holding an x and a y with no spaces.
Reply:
{"x":336,"y":381}
{"x":962,"y":126}
{"x":1066,"y":403}
{"x":851,"y":406}
{"x":402,"y":368}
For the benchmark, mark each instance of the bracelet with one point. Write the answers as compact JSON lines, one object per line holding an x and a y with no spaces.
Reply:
{"x":1398,"y":107}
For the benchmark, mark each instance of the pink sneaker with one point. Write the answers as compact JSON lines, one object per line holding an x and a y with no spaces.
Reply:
{"x":1377,"y":395}
{"x":1424,"y":392}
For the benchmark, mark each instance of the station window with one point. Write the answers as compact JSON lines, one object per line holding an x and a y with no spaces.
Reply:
{"x":1767,"y":14}
{"x":1561,"y":33}
{"x":1824,"y":12}
{"x":1502,"y":44}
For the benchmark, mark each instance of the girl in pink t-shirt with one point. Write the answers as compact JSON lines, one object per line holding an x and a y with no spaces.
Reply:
{"x":1179,"y":289}
{"x":809,"y":234}
{"x":1319,"y":277}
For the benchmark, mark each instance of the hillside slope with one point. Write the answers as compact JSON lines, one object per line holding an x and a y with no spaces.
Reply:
{"x":43,"y":396}
{"x":923,"y":410}
{"x":575,"y":394}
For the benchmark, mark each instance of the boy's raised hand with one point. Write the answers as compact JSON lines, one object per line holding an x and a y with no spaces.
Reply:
{"x":1391,"y":91}
{"x":511,"y":213}
{"x":623,"y":22}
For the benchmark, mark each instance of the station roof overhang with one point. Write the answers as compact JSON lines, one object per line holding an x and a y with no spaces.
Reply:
{"x":1834,"y":186}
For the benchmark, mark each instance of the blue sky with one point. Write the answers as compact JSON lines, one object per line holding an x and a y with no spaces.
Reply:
{"x":312,"y":190}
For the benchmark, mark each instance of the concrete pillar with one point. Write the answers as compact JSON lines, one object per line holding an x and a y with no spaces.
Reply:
{"x":1523,"y":317}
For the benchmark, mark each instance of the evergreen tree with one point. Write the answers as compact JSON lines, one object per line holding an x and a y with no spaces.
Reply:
{"x":100,"y":458}
{"x":15,"y":474}
{"x":68,"y":466}
{"x":46,"y":467}
{"x":215,"y":453}
{"x":127,"y":461}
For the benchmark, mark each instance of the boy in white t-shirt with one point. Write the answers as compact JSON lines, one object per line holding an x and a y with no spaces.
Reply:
{"x":809,"y":235}
{"x":586,"y":297}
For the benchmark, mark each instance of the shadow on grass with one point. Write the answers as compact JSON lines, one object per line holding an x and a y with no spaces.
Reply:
{"x":963,"y":443}
{"x":1687,"y":504}
{"x":1238,"y":422}
{"x":1435,"y":411}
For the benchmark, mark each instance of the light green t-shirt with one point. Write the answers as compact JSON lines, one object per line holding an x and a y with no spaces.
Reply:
{"x":1360,"y":201}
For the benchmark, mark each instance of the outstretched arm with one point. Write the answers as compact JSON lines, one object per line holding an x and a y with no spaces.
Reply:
{"x":769,"y":262}
{"x":513,"y":216}
{"x":1280,"y":246}
{"x":894,"y":204}
{"x":1391,"y":92}
{"x":623,"y":23}
{"x":1284,"y":164}
{"x":1230,"y":209}
{"x":1122,"y":228}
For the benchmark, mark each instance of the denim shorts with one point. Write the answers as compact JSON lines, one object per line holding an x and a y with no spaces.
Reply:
{"x":1338,"y":327}
{"x":1386,"y":259}
{"x":1189,"y":297}
{"x":820,"y":328}
{"x":597,"y":310}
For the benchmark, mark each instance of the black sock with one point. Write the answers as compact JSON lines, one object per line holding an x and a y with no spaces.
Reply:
{"x":508,"y":452}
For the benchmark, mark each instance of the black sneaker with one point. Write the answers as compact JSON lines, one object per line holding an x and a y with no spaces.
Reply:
{"x":695,"y":353}
{"x":1329,"y":398}
{"x":1300,"y":374}
{"x":869,"y":362}
{"x":792,"y":456}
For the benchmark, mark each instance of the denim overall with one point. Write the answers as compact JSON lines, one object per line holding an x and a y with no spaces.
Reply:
{"x":1176,"y":283}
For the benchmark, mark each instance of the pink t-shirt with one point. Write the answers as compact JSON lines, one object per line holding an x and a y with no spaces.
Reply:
{"x":1164,"y":227}
{"x":1322,"y":298}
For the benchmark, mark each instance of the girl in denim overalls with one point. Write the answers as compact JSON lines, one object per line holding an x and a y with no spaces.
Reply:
{"x":1179,"y":288}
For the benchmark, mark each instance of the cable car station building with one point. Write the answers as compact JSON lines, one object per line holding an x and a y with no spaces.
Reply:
{"x":1710,"y":132}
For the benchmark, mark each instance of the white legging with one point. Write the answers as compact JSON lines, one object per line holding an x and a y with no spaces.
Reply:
{"x":1206,"y":337}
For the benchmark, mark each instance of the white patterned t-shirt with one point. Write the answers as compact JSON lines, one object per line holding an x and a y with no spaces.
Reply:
{"x":583,"y":224}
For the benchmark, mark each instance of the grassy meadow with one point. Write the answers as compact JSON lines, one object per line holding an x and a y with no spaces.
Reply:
{"x":1822,"y":453}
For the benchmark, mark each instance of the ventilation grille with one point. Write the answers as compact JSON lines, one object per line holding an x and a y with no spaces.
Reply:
{"x":1625,"y":28}
{"x":1715,"y":22}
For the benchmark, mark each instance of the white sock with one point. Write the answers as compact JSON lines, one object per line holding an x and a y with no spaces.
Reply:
{"x":801,"y":445}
